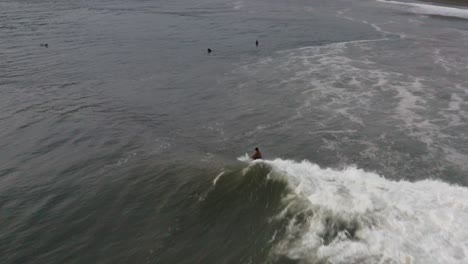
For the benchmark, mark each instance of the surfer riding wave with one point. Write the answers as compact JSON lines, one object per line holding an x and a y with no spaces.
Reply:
{"x":257,"y":154}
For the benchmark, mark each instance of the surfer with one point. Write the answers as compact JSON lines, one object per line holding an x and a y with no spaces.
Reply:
{"x":209,"y":50}
{"x":256,"y":43}
{"x":257,"y":154}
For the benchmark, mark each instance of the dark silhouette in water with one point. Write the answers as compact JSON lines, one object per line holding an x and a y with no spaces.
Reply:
{"x":209,"y":50}
{"x":257,"y":154}
{"x":45,"y":45}
{"x":256,"y":43}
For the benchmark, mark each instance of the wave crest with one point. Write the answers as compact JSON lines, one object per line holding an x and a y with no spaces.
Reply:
{"x":355,"y":216}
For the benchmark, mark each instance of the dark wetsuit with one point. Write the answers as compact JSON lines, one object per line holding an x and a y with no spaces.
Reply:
{"x":257,"y":155}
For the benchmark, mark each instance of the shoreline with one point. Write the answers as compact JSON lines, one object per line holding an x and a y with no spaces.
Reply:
{"x":454,"y":3}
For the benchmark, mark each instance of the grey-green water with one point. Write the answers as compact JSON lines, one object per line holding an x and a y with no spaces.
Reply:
{"x":120,"y":141}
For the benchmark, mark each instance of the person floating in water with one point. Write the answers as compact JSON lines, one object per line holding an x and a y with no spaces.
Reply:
{"x":257,"y":154}
{"x":209,"y":51}
{"x":256,"y":43}
{"x":45,"y":45}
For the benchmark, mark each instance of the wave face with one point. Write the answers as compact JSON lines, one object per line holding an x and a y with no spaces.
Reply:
{"x":432,"y":9}
{"x":354,"y":216}
{"x":118,"y":141}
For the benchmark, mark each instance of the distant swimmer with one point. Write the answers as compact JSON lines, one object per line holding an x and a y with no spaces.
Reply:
{"x":45,"y":45}
{"x":257,"y":154}
{"x":209,"y":51}
{"x":256,"y":43}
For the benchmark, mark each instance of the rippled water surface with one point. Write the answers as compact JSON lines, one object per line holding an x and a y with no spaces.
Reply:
{"x":123,"y":141}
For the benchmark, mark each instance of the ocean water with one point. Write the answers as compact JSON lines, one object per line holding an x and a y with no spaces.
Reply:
{"x":123,"y":141}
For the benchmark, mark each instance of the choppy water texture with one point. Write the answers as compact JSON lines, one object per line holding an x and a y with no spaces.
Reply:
{"x":123,"y":141}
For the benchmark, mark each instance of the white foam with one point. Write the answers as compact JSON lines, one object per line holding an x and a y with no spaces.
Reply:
{"x":217,"y":177}
{"x":238,"y":5}
{"x":245,"y":158}
{"x":432,"y":9}
{"x":455,"y":103}
{"x":442,"y":61}
{"x":346,"y":83}
{"x":397,"y":221}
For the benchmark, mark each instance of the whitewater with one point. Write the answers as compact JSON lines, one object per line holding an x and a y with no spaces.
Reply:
{"x":119,"y":138}
{"x":354,"y":216}
{"x":435,"y":10}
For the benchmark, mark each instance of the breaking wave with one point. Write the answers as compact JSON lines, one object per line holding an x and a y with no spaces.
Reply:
{"x":354,"y":216}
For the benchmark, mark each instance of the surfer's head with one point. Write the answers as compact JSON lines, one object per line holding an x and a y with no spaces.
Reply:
{"x":256,"y":149}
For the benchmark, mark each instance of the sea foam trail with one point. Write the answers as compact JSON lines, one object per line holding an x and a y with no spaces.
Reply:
{"x":360,"y":217}
{"x":432,"y":9}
